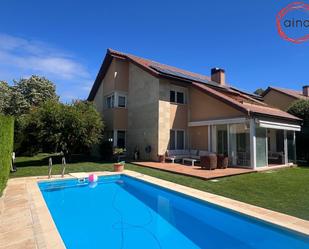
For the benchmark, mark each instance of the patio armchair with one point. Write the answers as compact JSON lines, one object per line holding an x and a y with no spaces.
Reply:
{"x":209,"y":161}
{"x":222,"y":161}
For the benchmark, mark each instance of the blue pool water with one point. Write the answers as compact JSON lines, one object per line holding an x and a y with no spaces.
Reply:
{"x":121,"y":212}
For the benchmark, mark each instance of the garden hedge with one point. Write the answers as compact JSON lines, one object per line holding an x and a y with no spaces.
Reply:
{"x":6,"y":148}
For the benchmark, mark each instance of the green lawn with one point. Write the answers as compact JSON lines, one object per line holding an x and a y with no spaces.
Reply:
{"x":283,"y":190}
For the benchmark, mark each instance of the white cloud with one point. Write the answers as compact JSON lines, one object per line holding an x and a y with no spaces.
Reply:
{"x":20,"y":56}
{"x":39,"y":57}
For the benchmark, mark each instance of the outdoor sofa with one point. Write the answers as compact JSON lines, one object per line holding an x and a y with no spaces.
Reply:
{"x":208,"y":160}
{"x":187,"y":155}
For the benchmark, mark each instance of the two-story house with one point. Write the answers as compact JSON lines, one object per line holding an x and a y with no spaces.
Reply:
{"x":149,"y":105}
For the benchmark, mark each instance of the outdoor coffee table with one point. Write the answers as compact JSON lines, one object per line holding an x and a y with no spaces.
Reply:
{"x":191,"y":160}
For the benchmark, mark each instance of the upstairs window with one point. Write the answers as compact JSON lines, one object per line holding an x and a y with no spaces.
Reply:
{"x":115,"y":100}
{"x":172,"y":96}
{"x":177,"y":97}
{"x":121,"y":101}
{"x":180,"y":98}
{"x":110,"y":101}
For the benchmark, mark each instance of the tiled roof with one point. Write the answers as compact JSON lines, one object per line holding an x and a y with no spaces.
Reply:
{"x":290,"y":92}
{"x":248,"y":103}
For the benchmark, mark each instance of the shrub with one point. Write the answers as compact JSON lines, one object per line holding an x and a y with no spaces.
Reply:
{"x":56,"y":127}
{"x":106,"y":150}
{"x":300,"y":108}
{"x":6,"y":148}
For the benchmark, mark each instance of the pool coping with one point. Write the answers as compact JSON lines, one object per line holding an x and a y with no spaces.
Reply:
{"x":43,"y":232}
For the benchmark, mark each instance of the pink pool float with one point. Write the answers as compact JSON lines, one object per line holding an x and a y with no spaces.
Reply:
{"x":92,"y":178}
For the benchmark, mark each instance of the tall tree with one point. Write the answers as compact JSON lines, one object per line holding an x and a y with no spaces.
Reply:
{"x":59,"y":127}
{"x":300,"y":108}
{"x":34,"y":91}
{"x":259,"y":91}
{"x":5,"y":97}
{"x":26,"y":93}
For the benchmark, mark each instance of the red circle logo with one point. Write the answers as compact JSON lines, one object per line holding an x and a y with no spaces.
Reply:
{"x":295,"y":6}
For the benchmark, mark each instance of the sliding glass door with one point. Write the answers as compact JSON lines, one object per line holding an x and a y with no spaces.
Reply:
{"x":291,"y":146}
{"x":222,"y":139}
{"x":261,"y":147}
{"x":239,"y":145}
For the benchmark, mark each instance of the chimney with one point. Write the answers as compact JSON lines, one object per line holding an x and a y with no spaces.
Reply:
{"x":218,"y":75}
{"x":306,"y":90}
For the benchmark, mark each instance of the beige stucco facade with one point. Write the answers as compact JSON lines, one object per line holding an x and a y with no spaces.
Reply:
{"x":279,"y":100}
{"x":199,"y":138}
{"x":115,"y":80}
{"x":204,"y":107}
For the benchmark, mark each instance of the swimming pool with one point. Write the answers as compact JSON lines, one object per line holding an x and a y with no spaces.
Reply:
{"x":122,"y":212}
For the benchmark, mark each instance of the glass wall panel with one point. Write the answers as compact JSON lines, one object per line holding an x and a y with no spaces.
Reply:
{"x":239,"y":145}
{"x":276,"y":154}
{"x":291,"y":147}
{"x":261,"y":147}
{"x":222,"y":147}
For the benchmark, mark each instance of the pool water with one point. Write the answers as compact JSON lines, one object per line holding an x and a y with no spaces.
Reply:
{"x":122,"y":212}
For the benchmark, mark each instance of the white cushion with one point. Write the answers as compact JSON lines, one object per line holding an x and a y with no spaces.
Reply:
{"x":195,"y":157}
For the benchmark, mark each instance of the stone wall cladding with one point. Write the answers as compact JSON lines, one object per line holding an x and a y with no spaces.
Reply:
{"x":164,"y":116}
{"x":171,"y":115}
{"x":143,"y":112}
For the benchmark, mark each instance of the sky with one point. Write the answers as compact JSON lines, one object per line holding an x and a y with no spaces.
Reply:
{"x":66,"y":40}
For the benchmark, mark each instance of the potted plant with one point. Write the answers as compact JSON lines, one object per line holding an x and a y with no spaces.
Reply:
{"x":118,"y":167}
{"x":161,"y":158}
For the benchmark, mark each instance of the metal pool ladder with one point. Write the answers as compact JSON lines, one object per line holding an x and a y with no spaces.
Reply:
{"x":63,"y":166}
{"x":50,"y":167}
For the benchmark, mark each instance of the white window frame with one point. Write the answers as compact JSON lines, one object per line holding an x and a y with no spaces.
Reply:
{"x":115,"y":97}
{"x":184,"y":138}
{"x":125,"y":100}
{"x":112,"y":96}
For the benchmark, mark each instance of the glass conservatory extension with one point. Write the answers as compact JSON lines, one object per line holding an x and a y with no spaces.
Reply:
{"x":252,"y":143}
